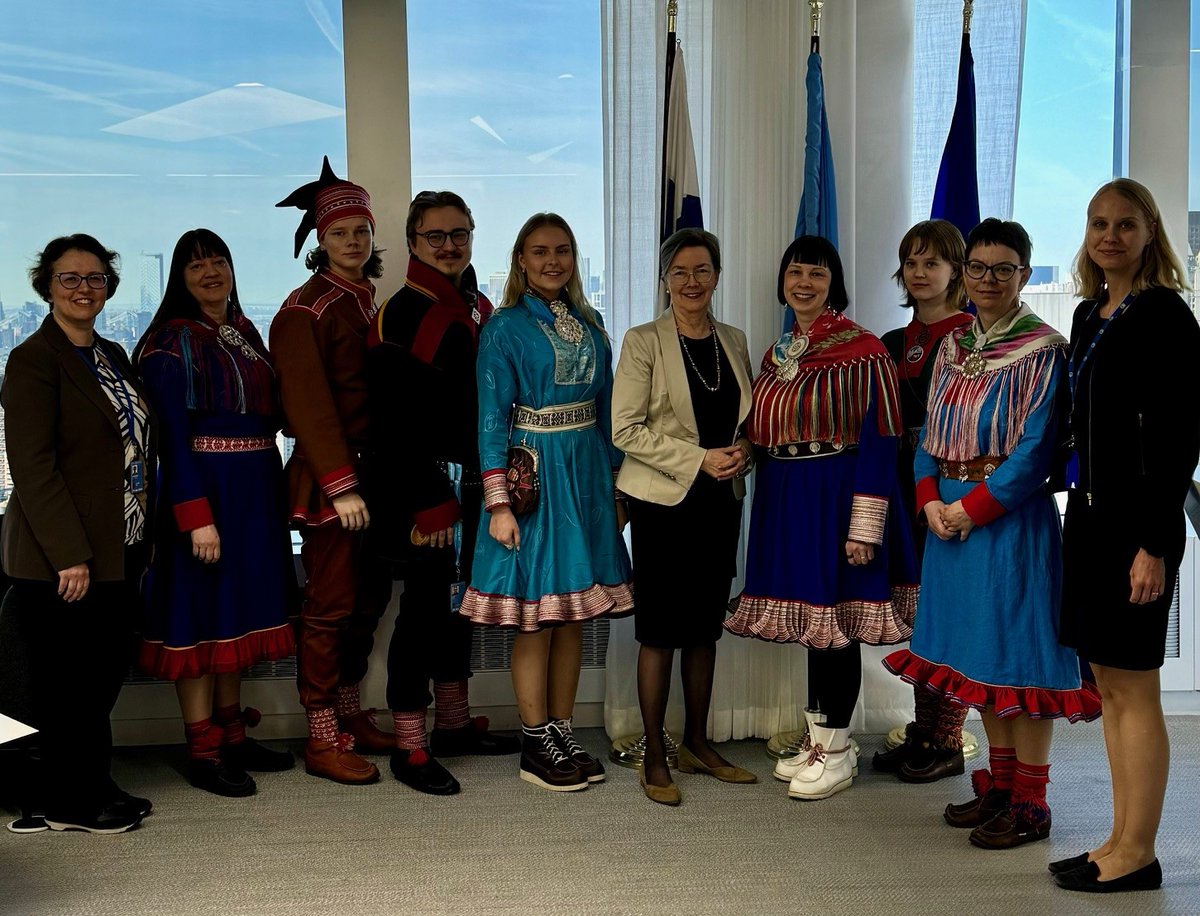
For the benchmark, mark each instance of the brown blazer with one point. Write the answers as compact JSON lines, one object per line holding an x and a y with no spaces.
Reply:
{"x":652,"y":418}
{"x":67,"y":461}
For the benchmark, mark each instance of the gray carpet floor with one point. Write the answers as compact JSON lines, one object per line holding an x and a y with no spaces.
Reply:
{"x":307,"y":846}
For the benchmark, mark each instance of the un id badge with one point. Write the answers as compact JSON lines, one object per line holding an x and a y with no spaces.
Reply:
{"x":137,"y":476}
{"x":457,"y":590}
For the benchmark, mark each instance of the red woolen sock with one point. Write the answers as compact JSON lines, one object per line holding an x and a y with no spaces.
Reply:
{"x":410,"y":730}
{"x":1029,"y":783}
{"x":230,"y":719}
{"x":322,"y":724}
{"x":452,"y":709}
{"x":203,"y":739}
{"x":348,"y":701}
{"x":1003,"y":761}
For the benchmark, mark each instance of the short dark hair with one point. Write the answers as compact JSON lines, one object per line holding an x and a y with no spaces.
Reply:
{"x":812,"y":249}
{"x":941,"y":239}
{"x":688,"y":238}
{"x":318,"y":259}
{"x":42,"y":272}
{"x":429,"y":200}
{"x":994,"y":231}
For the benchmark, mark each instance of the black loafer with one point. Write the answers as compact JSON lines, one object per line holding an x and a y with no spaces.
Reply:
{"x":220,"y":778}
{"x":932,"y":764}
{"x":1062,"y":865}
{"x":257,"y":758}
{"x":891,"y":761}
{"x":473,"y":738}
{"x":1087,"y":879}
{"x":419,"y":770}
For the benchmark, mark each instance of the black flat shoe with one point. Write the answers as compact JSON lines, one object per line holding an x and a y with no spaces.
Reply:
{"x":891,"y":761}
{"x":1087,"y":879}
{"x":220,"y":778}
{"x":257,"y":758}
{"x":419,"y":770}
{"x":473,"y":738}
{"x":931,"y":764}
{"x":1062,"y":865}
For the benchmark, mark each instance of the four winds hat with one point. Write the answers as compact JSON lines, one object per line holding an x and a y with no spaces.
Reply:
{"x":325,"y":201}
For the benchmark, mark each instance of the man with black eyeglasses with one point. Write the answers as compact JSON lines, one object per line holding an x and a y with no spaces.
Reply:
{"x":424,"y":413}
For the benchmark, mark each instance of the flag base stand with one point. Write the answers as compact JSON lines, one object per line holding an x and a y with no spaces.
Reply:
{"x":630,"y":751}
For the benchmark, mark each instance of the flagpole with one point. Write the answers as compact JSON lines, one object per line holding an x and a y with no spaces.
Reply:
{"x":814,"y":13}
{"x":968,"y":12}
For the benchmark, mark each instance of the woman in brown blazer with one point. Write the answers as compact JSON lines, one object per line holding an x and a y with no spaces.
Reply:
{"x":680,"y":394}
{"x":80,"y":451}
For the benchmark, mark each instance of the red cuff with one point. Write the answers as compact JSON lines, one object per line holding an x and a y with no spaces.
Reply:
{"x":439,"y":518}
{"x":193,"y":514}
{"x":927,"y":492}
{"x":339,"y":481}
{"x":982,"y":506}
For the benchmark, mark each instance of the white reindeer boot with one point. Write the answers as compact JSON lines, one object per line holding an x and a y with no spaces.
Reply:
{"x":829,"y":767}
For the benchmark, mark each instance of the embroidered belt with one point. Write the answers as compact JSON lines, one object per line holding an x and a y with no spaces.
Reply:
{"x":974,"y":471}
{"x":560,"y":418}
{"x":232,"y":443}
{"x":814,"y":449}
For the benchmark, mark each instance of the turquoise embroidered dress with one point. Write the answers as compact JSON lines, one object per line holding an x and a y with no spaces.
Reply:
{"x":572,"y":564}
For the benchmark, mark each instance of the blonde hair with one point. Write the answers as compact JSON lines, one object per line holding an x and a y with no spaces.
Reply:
{"x":516,"y":284}
{"x":942,"y":239}
{"x":1160,"y":265}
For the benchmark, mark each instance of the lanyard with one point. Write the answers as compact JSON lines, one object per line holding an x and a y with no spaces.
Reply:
{"x":124,"y":400}
{"x":1079,"y":361}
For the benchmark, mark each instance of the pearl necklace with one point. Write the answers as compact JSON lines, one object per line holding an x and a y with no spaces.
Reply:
{"x":695,"y":368}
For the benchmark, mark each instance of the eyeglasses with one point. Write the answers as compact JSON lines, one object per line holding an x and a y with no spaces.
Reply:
{"x":437,"y":237}
{"x":72,"y":281}
{"x":1003,"y":271}
{"x":680,"y":277}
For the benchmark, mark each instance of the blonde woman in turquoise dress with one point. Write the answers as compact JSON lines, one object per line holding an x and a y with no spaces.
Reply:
{"x":545,"y":382}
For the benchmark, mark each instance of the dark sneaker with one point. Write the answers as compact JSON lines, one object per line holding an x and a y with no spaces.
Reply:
{"x":28,"y":823}
{"x":256,"y":758}
{"x":218,"y":777}
{"x":139,"y":806}
{"x":544,"y":764}
{"x":472,"y":738}
{"x":112,"y":818}
{"x":591,"y":768}
{"x":419,"y":770}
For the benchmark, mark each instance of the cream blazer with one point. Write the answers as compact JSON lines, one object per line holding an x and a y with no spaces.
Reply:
{"x":652,"y":418}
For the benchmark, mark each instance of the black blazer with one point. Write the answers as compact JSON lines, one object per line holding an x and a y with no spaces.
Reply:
{"x":1135,"y":420}
{"x":67,"y":460}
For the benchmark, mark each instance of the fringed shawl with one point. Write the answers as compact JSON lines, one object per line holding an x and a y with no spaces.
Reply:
{"x":1019,"y":354}
{"x":219,"y":377}
{"x":844,"y":366}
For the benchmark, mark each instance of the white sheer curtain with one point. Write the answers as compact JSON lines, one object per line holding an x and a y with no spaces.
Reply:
{"x":746,"y":91}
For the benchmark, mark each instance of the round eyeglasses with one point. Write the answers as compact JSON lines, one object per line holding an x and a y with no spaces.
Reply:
{"x":72,"y":281}
{"x":1003,"y":271}
{"x":437,"y":237}
{"x":680,"y":277}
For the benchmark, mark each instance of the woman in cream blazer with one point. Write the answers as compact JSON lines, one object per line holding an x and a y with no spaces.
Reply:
{"x":681,"y":392}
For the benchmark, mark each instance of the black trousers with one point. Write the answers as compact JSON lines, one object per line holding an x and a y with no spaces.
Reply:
{"x":430,"y":642}
{"x":78,"y":655}
{"x":834,"y":682}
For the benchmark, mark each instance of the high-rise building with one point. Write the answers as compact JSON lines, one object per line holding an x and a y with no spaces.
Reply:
{"x":496,"y":283}
{"x":152,"y":280}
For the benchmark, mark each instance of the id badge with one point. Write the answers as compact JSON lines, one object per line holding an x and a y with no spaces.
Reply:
{"x":457,"y":590}
{"x":137,"y":476}
{"x":1072,"y":474}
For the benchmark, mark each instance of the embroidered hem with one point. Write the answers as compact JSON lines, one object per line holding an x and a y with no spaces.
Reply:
{"x":820,"y":626}
{"x":1077,"y":704}
{"x":170,"y":663}
{"x":549,"y":610}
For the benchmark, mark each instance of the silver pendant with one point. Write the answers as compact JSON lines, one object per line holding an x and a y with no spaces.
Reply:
{"x":788,"y":369}
{"x":974,"y":365}
{"x":566,"y":325}
{"x":229,"y":334}
{"x":797,"y":347}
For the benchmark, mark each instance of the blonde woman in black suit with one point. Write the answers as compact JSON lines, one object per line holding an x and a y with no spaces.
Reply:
{"x":681,"y":392}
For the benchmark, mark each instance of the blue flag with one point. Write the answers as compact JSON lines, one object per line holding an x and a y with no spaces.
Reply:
{"x":681,"y":181}
{"x":956,"y":194}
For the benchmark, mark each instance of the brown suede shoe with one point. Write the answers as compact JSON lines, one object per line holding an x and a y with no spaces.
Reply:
{"x":369,"y":738}
{"x":1010,"y":829}
{"x":337,"y":761}
{"x":978,"y":810}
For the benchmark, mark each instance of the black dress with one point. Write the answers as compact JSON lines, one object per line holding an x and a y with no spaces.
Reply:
{"x":1135,"y":424}
{"x":685,"y":556}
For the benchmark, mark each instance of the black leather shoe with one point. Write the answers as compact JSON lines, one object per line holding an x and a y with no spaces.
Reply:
{"x":1087,"y":879}
{"x":472,"y":738}
{"x":1062,"y":865}
{"x":978,"y":810}
{"x":256,"y":758}
{"x":419,"y":770}
{"x":545,"y":764}
{"x":929,"y":764}
{"x":220,"y":778}
{"x":1010,"y":829}
{"x":591,"y":768}
{"x":891,"y":761}
{"x":112,"y":818}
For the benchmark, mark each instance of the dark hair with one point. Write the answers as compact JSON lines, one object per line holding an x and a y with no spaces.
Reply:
{"x":428,"y":200}
{"x":688,"y":238}
{"x":812,"y":249}
{"x":994,"y":231}
{"x":941,"y":239}
{"x":177,"y":302}
{"x":318,"y":259}
{"x":42,"y":272}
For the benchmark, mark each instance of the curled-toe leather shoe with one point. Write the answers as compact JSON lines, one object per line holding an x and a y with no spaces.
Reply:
{"x":1087,"y":878}
{"x":929,"y":764}
{"x":987,"y":803}
{"x":1019,"y":825}
{"x":336,"y":761}
{"x":369,"y":738}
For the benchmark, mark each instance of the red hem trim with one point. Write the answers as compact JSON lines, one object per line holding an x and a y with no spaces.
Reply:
{"x":927,"y":492}
{"x":550,"y":610}
{"x":820,"y":626}
{"x":438,"y":518}
{"x":170,"y":663}
{"x":982,"y":506}
{"x":1078,"y":704}
{"x":338,"y":481}
{"x":193,"y":514}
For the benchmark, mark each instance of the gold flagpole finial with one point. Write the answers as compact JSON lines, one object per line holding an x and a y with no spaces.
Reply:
{"x":814,"y":12}
{"x":968,"y":12}
{"x":672,"y":13}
